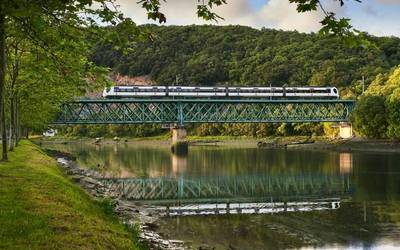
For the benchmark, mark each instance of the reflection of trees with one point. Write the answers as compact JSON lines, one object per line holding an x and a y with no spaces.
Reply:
{"x":120,"y":159}
{"x":376,"y":176}
{"x":248,"y":161}
{"x":155,"y":161}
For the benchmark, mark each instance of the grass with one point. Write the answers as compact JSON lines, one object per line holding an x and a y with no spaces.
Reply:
{"x":40,"y":208}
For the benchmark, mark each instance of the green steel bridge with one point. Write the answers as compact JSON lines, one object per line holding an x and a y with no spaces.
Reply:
{"x":231,"y":188}
{"x":186,"y":111}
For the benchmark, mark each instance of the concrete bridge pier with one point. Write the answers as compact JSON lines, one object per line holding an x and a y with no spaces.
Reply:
{"x":345,"y":130}
{"x":178,"y":135}
{"x":179,"y":143}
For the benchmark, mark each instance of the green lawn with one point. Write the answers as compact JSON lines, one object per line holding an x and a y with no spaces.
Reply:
{"x":40,"y":208}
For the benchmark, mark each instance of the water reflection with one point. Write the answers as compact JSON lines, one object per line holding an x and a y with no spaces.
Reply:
{"x":340,"y":228}
{"x":207,"y":179}
{"x":249,"y":208}
{"x":346,"y":163}
{"x":179,"y":161}
{"x":239,"y":188}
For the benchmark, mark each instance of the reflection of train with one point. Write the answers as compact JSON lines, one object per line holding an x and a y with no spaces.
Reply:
{"x":220,"y":92}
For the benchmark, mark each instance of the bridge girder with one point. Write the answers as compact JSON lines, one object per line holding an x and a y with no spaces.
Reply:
{"x":185,"y":111}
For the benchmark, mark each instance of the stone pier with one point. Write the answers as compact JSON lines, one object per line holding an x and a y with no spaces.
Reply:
{"x":345,"y":130}
{"x":178,"y":135}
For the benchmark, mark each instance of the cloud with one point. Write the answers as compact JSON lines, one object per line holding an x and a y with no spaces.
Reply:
{"x":184,"y":11}
{"x":278,"y":14}
{"x":283,"y":15}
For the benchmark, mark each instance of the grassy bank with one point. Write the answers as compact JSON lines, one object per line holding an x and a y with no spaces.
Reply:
{"x":41,"y":209}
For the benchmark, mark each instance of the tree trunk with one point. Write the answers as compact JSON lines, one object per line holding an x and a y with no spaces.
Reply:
{"x":12,"y":122}
{"x":17,"y":123}
{"x":2,"y":83}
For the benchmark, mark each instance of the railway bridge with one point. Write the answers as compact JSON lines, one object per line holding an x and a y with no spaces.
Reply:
{"x":178,"y":112}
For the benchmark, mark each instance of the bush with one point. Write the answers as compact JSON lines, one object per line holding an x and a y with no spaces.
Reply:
{"x":370,"y":116}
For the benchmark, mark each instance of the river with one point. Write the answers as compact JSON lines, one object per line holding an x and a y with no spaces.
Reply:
{"x":238,"y":196}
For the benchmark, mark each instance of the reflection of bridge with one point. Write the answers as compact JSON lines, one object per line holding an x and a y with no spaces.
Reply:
{"x":173,"y":111}
{"x":250,"y":208}
{"x":252,"y":187}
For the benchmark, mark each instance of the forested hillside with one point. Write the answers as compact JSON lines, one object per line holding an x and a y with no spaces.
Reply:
{"x":238,"y":55}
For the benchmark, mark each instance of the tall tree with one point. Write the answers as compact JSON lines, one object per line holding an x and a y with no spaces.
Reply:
{"x":61,"y":28}
{"x":2,"y":80}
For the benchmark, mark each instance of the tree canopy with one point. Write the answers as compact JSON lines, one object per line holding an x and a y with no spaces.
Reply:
{"x":377,"y":113}
{"x":238,"y":55}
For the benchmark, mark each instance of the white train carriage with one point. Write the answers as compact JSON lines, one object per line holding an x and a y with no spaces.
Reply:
{"x":311,"y":92}
{"x":134,"y":91}
{"x":220,"y":92}
{"x":176,"y":91}
{"x":255,"y":92}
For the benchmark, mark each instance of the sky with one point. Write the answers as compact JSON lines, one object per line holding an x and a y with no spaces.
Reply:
{"x":377,"y":17}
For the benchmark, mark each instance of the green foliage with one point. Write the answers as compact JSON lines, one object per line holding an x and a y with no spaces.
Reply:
{"x":393,"y":109}
{"x":377,"y":113}
{"x":260,"y":130}
{"x":329,"y":130}
{"x":93,"y":131}
{"x":236,"y":55}
{"x":369,"y":117}
{"x":331,"y":25}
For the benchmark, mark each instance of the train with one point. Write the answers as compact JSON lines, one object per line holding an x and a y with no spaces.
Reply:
{"x":220,"y":92}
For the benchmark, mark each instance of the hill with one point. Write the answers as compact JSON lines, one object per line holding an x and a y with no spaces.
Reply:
{"x":238,"y":55}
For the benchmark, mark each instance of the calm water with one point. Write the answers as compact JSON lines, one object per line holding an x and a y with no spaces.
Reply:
{"x":365,"y":185}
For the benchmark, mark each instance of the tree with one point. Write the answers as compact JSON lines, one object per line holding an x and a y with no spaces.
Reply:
{"x":369,"y":117}
{"x":393,"y":109}
{"x":252,"y":57}
{"x":60,"y":29}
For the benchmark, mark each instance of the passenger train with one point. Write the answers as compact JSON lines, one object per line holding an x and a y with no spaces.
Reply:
{"x":220,"y":92}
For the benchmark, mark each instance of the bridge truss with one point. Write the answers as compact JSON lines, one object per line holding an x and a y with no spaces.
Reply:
{"x":179,"y":112}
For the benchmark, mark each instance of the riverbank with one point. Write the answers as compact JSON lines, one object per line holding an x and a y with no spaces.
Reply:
{"x":292,"y":142}
{"x":40,"y":208}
